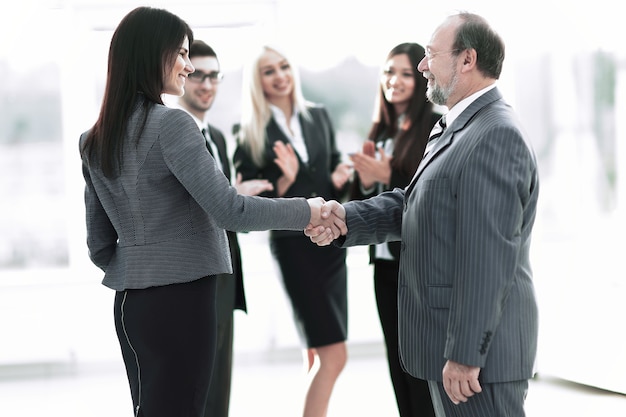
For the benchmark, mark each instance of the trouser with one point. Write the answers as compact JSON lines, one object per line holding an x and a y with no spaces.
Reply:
{"x":167,"y":337}
{"x":412,"y":394}
{"x":505,"y":399}
{"x":219,"y":395}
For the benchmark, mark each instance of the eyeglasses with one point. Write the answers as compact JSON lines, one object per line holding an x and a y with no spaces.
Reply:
{"x":430,"y":55}
{"x":198,"y":77}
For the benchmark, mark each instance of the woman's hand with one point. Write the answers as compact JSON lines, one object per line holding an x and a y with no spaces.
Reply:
{"x":252,"y":187}
{"x":328,"y":221}
{"x":341,"y":175}
{"x":371,"y":169}
{"x":287,"y":161}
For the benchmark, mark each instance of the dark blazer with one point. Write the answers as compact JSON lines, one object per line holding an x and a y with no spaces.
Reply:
{"x":398,"y":179}
{"x":465,"y":285}
{"x":240,"y":297}
{"x":314,"y":177}
{"x":162,"y":220}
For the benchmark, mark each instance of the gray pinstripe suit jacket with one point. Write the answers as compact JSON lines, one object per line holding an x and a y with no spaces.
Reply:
{"x":162,"y":220}
{"x":465,"y":285}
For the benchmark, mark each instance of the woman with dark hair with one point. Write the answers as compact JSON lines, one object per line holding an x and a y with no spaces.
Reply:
{"x":157,"y":206}
{"x":402,"y":122}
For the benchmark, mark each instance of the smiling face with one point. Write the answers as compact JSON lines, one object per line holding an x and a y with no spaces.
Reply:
{"x":199,"y":96}
{"x":440,"y":66}
{"x":175,"y":79}
{"x":276,"y":76}
{"x":398,"y":82}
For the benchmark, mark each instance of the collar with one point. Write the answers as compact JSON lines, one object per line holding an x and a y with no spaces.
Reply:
{"x":278,"y":113}
{"x":463,"y":104}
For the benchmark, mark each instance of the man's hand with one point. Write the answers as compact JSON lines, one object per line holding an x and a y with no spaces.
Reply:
{"x":331,"y":225}
{"x":460,"y":381}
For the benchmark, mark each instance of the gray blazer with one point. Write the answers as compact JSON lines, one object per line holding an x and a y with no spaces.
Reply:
{"x":465,"y":285}
{"x":162,"y":220}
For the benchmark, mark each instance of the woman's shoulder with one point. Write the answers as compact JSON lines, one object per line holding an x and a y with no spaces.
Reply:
{"x":165,"y":115}
{"x":317,"y":110}
{"x":171,"y":123}
{"x":163,"y":110}
{"x":315,"y":107}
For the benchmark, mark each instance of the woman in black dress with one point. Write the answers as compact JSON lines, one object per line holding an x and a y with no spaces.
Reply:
{"x":291,"y":143}
{"x":397,"y":139}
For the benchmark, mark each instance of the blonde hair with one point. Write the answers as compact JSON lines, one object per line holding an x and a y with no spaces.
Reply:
{"x":255,"y":109}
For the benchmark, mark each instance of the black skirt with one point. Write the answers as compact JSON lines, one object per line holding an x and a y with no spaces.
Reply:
{"x":167,"y":336}
{"x":315,"y":280}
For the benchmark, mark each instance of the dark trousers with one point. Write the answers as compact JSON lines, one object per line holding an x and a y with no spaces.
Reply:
{"x":167,"y":337}
{"x":219,"y":395}
{"x":412,"y":394}
{"x":505,"y":399}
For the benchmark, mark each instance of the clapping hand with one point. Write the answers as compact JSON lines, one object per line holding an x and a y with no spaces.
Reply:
{"x":252,"y":187}
{"x":331,"y":222}
{"x":341,"y":175}
{"x":371,"y":169}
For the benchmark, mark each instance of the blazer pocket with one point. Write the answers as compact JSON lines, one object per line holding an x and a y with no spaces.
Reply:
{"x":439,"y":296}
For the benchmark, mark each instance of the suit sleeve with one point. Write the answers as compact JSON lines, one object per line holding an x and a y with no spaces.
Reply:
{"x":490,"y":197}
{"x":183,"y":150}
{"x":101,"y":235}
{"x":375,"y":220}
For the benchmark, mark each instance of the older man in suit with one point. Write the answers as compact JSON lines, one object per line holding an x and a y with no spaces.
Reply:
{"x":467,"y":308}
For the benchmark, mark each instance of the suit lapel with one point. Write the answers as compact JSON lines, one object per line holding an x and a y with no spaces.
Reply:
{"x":275,"y":133}
{"x":459,"y":124}
{"x":220,"y":143}
{"x":443,"y":143}
{"x":309,"y":132}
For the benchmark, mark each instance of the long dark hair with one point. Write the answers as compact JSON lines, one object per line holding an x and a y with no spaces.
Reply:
{"x":143,"y":49}
{"x":412,"y":136}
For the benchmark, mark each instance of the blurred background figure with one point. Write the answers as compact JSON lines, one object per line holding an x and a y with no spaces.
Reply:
{"x":200,"y":93}
{"x":402,"y":120}
{"x":291,"y":143}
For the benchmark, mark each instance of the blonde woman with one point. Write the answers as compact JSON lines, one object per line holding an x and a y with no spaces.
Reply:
{"x":291,"y":142}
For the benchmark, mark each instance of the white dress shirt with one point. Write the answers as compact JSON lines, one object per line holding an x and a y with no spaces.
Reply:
{"x":291,"y":125}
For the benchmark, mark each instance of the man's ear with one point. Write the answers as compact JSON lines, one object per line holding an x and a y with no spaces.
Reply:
{"x":469,"y":59}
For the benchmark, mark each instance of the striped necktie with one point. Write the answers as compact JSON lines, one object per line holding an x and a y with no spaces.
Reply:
{"x":437,"y":131}
{"x":212,"y":147}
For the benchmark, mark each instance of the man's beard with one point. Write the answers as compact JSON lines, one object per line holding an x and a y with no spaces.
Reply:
{"x":440,"y":95}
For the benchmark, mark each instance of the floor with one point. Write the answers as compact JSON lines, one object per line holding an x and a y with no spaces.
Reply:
{"x":264,"y":386}
{"x":268,"y":376}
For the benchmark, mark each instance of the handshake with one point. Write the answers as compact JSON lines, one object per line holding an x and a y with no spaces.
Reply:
{"x":328,"y":221}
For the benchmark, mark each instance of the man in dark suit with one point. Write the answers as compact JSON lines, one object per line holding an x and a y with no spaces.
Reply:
{"x":467,"y":309}
{"x":200,"y":91}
